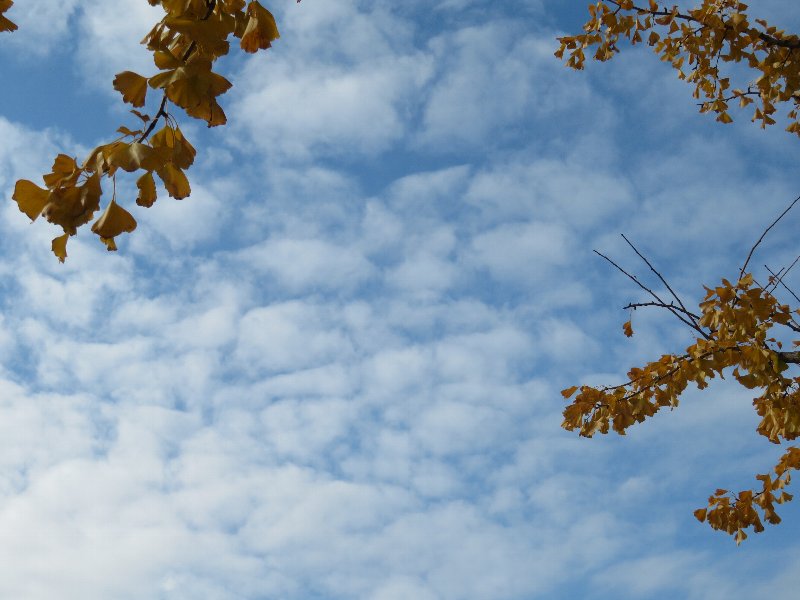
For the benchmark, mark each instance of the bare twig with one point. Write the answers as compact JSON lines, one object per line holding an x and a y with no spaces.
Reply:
{"x":778,"y":278}
{"x":763,"y":235}
{"x":664,"y":281}
{"x":654,"y":295}
{"x":635,"y":305}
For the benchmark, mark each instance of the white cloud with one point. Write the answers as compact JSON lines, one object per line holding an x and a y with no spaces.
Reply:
{"x":522,"y":252}
{"x":307,"y":265}
{"x":334,"y":370}
{"x":306,"y":102}
{"x":110,"y":33}
{"x":43,"y":25}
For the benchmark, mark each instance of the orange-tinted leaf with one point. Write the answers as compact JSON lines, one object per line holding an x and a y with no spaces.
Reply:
{"x":30,"y":198}
{"x":64,"y":169}
{"x":132,"y":86}
{"x":700,"y":514}
{"x":165,"y":59}
{"x":627,"y":328}
{"x":143,"y":117}
{"x":232,"y":6}
{"x":114,"y":221}
{"x":6,"y":24}
{"x":125,"y":131}
{"x":135,"y":156}
{"x":178,"y":150}
{"x":261,"y":29}
{"x":175,"y":181}
{"x":569,"y":391}
{"x":59,"y":247}
{"x":147,"y":190}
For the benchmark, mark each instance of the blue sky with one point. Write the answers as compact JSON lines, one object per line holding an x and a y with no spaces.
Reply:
{"x":334,"y":370}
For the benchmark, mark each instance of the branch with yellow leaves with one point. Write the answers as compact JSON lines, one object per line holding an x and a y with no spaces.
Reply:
{"x":715,"y":30}
{"x":734,"y":326}
{"x":185,"y":44}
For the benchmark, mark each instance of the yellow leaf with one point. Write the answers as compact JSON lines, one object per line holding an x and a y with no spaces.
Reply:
{"x":30,"y":198}
{"x":165,"y":59}
{"x":180,"y":152}
{"x":261,"y":29}
{"x":143,"y":117}
{"x":59,"y":247}
{"x":231,"y":6}
{"x":114,"y":221}
{"x":132,"y":86}
{"x":700,"y":514}
{"x":627,"y":328}
{"x":175,"y":181}
{"x":135,"y":156}
{"x":5,"y":24}
{"x":569,"y":391}
{"x":147,"y":190}
{"x":65,"y":169}
{"x":195,"y":88}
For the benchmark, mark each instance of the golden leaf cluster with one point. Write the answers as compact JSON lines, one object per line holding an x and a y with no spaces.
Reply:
{"x":698,"y":43}
{"x":735,"y":323}
{"x":185,"y":44}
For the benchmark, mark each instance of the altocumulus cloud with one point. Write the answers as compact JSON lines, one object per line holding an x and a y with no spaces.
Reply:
{"x":333,"y":371}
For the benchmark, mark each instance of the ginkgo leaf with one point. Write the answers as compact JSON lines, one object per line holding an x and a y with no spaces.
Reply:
{"x":261,"y":29}
{"x":208,"y":34}
{"x":114,"y":221}
{"x":175,"y":181}
{"x":5,"y":23}
{"x":165,"y":59}
{"x":627,"y":329}
{"x":64,"y":171}
{"x":132,"y":86}
{"x":194,"y":89}
{"x":178,"y":149}
{"x":73,"y":206}
{"x":233,"y":6}
{"x":145,"y":118}
{"x":125,"y":131}
{"x":147,"y":190}
{"x":569,"y":391}
{"x":700,"y":514}
{"x":135,"y":156}
{"x":59,"y":247}
{"x":209,"y":111}
{"x":30,"y":198}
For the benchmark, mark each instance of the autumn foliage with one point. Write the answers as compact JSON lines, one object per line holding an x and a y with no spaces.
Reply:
{"x":698,"y":43}
{"x":735,"y":328}
{"x":185,"y":44}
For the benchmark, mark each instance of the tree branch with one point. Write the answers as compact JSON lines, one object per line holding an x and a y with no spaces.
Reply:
{"x":793,"y":44}
{"x":654,"y":295}
{"x":763,"y":235}
{"x":664,"y":281}
{"x":790,"y":357}
{"x":162,"y":112}
{"x":661,"y":305}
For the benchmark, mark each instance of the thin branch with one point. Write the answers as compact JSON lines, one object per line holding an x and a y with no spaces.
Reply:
{"x":654,"y":295}
{"x":763,"y":235}
{"x":781,"y":275}
{"x":664,"y":281}
{"x":774,"y":280}
{"x":661,"y":305}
